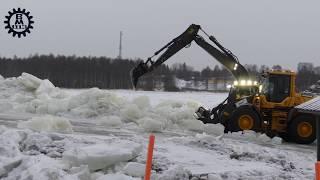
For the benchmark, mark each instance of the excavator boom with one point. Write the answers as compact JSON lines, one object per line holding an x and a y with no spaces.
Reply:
{"x":223,"y":55}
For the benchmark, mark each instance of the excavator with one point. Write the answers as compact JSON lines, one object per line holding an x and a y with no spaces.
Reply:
{"x":266,"y":106}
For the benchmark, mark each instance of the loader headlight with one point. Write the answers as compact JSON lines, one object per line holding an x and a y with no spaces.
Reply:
{"x":243,"y":83}
{"x":229,"y":86}
{"x":235,"y":67}
{"x":260,"y":88}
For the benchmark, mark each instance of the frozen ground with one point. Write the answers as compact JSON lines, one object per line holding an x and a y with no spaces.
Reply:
{"x":92,"y":134}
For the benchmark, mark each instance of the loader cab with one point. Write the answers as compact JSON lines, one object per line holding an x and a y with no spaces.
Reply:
{"x":278,"y":85}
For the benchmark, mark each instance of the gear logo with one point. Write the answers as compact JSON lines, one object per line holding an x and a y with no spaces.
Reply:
{"x":19,"y":22}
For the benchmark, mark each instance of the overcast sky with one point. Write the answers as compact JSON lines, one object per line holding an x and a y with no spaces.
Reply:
{"x":267,"y":32}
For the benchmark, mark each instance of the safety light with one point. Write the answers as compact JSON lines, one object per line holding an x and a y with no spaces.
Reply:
{"x":242,"y":82}
{"x":260,"y":88}
{"x":235,"y":67}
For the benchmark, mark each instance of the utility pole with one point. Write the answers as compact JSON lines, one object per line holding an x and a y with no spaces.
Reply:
{"x":120,"y":46}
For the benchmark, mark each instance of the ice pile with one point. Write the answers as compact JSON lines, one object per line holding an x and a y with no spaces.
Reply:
{"x":100,"y":156}
{"x":46,"y":156}
{"x":30,"y":94}
{"x":14,"y":164}
{"x":48,"y":123}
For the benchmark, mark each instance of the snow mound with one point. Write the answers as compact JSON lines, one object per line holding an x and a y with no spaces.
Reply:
{"x":151,"y":125}
{"x":116,"y":177}
{"x":48,"y":123}
{"x":214,"y":129}
{"x":254,"y":137}
{"x":214,"y":177}
{"x":134,"y":169}
{"x":30,"y":94}
{"x":131,"y":113}
{"x":95,"y":102}
{"x":175,"y":173}
{"x":142,"y":102}
{"x":29,"y":81}
{"x":110,"y":121}
{"x":100,"y":156}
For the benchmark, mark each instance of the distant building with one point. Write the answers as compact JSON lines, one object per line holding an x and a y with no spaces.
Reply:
{"x":306,"y":66}
{"x":317,"y":70}
{"x":219,"y":84}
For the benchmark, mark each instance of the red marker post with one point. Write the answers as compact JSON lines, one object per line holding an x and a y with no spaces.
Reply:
{"x":149,"y":157}
{"x":317,"y":166}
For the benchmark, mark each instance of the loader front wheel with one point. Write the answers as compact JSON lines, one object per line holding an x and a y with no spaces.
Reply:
{"x":302,"y":129}
{"x":244,"y":118}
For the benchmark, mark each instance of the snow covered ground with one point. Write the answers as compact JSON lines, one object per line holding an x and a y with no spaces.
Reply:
{"x":93,"y":134}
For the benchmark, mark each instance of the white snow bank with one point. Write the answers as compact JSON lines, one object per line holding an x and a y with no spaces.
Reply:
{"x":175,"y":172}
{"x":28,"y":93}
{"x":39,"y":167}
{"x":131,"y":113}
{"x":214,"y":177}
{"x":29,"y":81}
{"x":214,"y":129}
{"x":142,"y":102}
{"x":48,"y":123}
{"x":94,"y":102}
{"x":134,"y":169}
{"x":116,"y":177}
{"x":110,"y":121}
{"x":99,"y":156}
{"x":254,"y":136}
{"x":151,"y":125}
{"x":5,"y":107}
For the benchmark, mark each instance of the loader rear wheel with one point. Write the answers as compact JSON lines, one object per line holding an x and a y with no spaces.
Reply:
{"x":302,"y":129}
{"x":244,"y":118}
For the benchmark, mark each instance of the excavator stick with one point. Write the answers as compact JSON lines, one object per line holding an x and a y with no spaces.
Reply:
{"x":172,"y":48}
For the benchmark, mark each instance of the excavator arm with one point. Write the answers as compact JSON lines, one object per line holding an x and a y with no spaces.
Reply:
{"x":221,"y":54}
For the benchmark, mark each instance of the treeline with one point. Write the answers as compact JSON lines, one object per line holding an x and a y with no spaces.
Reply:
{"x":108,"y":73}
{"x":307,"y":77}
{"x":72,"y":71}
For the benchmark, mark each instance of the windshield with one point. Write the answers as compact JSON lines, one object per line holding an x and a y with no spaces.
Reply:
{"x":276,"y":87}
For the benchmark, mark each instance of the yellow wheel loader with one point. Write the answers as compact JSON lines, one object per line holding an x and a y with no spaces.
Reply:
{"x":266,"y":106}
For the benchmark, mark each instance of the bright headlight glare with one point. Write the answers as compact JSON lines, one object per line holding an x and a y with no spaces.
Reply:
{"x":260,"y":88}
{"x":255,"y":83}
{"x":235,"y":83}
{"x":229,"y":86}
{"x":243,"y":82}
{"x":235,"y":66}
